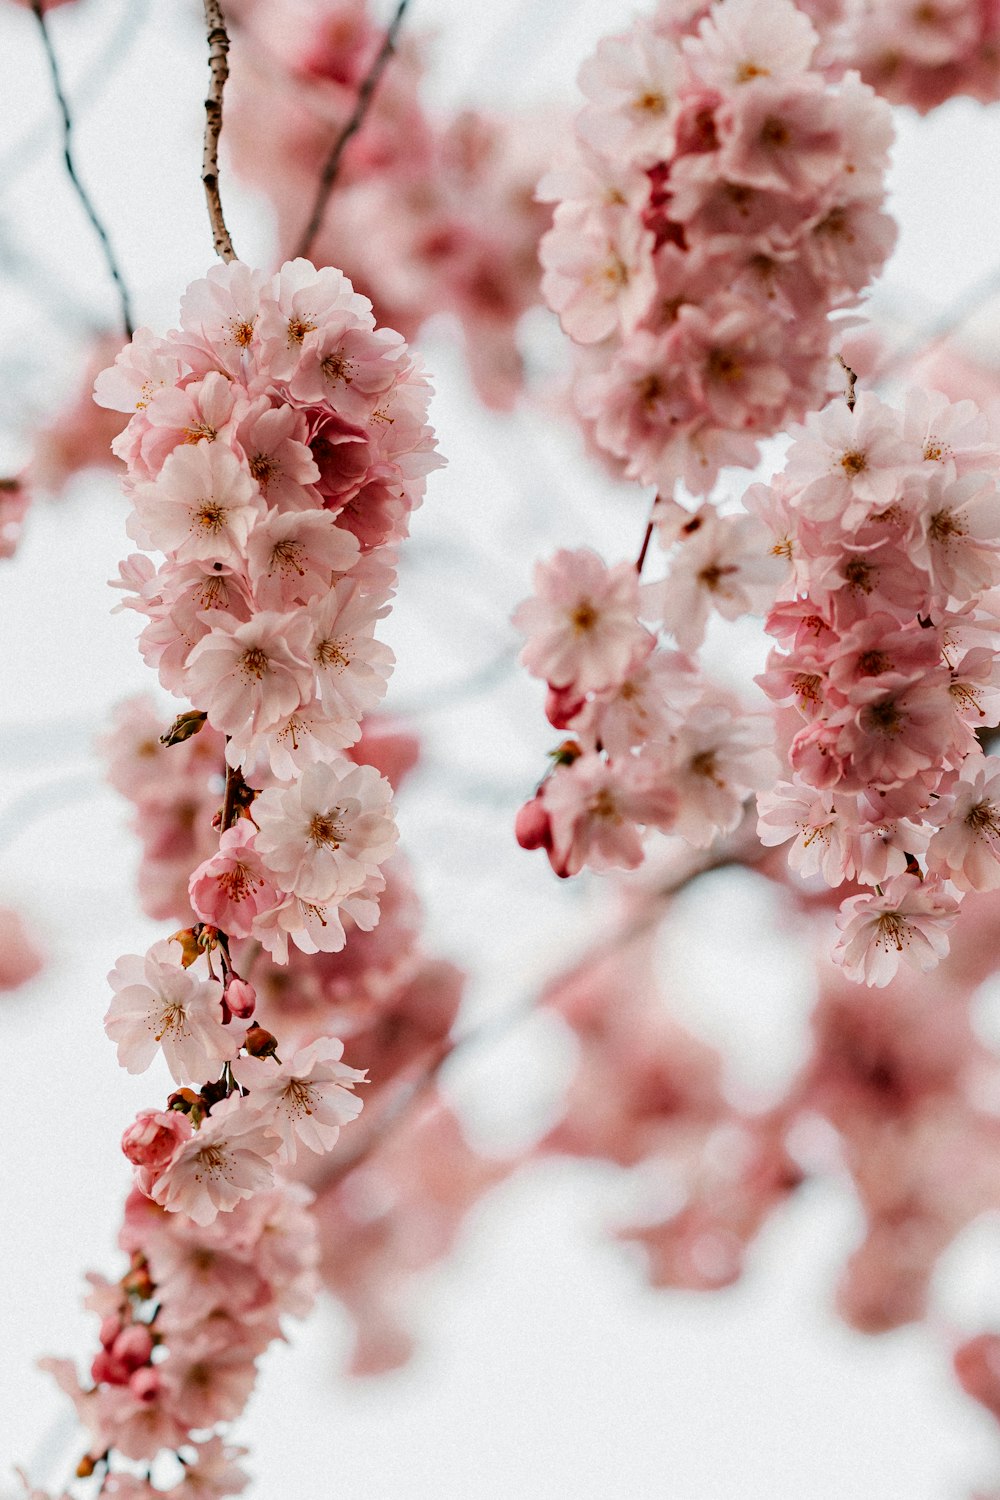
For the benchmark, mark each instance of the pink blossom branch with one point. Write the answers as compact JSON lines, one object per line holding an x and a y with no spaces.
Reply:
{"x":110,"y":258}
{"x":366,"y":94}
{"x":218,"y":66}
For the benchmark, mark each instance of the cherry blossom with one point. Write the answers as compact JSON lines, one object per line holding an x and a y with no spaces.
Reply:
{"x":159,"y":1003}
{"x":908,"y":922}
{"x":306,"y":1099}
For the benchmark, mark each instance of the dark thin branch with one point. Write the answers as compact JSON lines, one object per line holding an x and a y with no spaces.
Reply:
{"x":852,"y":380}
{"x":218,"y":67}
{"x":640,"y":561}
{"x":366,"y":93}
{"x":20,"y":157}
{"x":81,"y":192}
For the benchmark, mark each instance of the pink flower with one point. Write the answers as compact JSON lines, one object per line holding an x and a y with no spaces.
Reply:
{"x":581,"y":625}
{"x":324,"y":836}
{"x":595,"y":809}
{"x":154,"y":1138}
{"x":744,"y":41}
{"x":203,"y":505}
{"x":352,"y":668}
{"x":293,"y":556}
{"x":158,"y":1003}
{"x":254,"y":672}
{"x":227,"y":1159}
{"x":598,"y":266}
{"x":231,"y":889}
{"x":910,"y":921}
{"x":306,"y":1098}
{"x":966,"y":847}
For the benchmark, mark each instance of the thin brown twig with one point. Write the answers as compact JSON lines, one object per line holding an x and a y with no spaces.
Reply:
{"x":331,"y":167}
{"x":218,"y":67}
{"x":111,"y":261}
{"x":852,"y":380}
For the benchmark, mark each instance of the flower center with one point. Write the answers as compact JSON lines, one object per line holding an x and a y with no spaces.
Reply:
{"x":324,"y":830}
{"x":242,"y":331}
{"x":336,"y":366}
{"x":331,"y":653}
{"x":263,"y":468}
{"x":298,"y":328}
{"x":211,"y":516}
{"x":254,"y":663}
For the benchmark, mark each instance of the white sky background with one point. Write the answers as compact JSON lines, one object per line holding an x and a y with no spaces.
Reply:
{"x":548,"y":1370}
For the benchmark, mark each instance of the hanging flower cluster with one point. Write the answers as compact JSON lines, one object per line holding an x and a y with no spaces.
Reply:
{"x":655,"y":745}
{"x":886,"y":667}
{"x":911,"y":52}
{"x":724,"y":197}
{"x":278,"y":444}
{"x":385,"y":1207}
{"x":181,"y":1334}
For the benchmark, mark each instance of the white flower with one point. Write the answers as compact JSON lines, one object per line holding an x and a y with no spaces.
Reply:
{"x":158,"y":1003}
{"x":227,"y":1158}
{"x":308,"y":1098}
{"x":322,"y":837}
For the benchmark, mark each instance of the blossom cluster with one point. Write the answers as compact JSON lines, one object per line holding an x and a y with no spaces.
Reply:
{"x":399,"y":1206}
{"x":916,"y":54}
{"x":277,"y":445}
{"x":654,"y":744}
{"x":181,"y":1334}
{"x":433,"y":214}
{"x":901,"y":1080}
{"x":886,"y":667}
{"x":723,"y":198}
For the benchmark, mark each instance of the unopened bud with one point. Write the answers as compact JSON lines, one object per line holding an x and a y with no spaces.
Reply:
{"x":241,"y":997}
{"x":111,"y":1327}
{"x":532,"y":827}
{"x":562,"y":706}
{"x":183,"y":727}
{"x":145,"y":1384}
{"x":260,"y":1043}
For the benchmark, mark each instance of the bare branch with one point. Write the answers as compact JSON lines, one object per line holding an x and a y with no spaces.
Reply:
{"x":81,"y":192}
{"x":366,"y":93}
{"x":852,"y":380}
{"x":218,"y":67}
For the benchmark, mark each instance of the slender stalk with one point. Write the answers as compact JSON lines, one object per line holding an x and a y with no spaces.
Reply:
{"x":331,"y":168}
{"x":110,"y":258}
{"x":218,"y":67}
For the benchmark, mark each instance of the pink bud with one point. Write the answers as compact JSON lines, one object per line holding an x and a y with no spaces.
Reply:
{"x":241,"y":997}
{"x":133,"y":1346}
{"x":111,"y":1327}
{"x":108,"y":1370}
{"x":562,"y":704}
{"x":145,"y":1384}
{"x":155,"y":1137}
{"x":532,"y":826}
